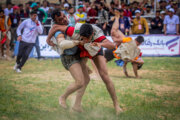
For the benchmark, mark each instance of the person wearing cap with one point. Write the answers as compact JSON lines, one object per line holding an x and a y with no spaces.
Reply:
{"x":156,"y":24}
{"x":42,"y":15}
{"x":82,"y":15}
{"x":9,"y":9}
{"x":15,"y":18}
{"x":162,"y":14}
{"x":139,"y":24}
{"x":31,"y":29}
{"x":171,"y":23}
{"x":66,"y":9}
{"x":73,"y":19}
{"x":5,"y":25}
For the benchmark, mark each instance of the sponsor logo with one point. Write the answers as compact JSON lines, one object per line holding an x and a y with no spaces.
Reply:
{"x":172,"y":43}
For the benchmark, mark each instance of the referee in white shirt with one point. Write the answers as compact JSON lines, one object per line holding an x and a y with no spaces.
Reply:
{"x":31,"y":28}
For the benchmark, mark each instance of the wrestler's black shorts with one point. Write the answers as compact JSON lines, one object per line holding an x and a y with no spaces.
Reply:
{"x":139,"y":66}
{"x":108,"y":54}
{"x":99,"y":53}
{"x":68,"y":60}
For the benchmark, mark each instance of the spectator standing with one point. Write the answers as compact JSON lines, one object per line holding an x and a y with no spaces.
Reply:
{"x":177,"y":12}
{"x":135,"y":7}
{"x":3,"y":6}
{"x":82,"y":15}
{"x":73,"y":19}
{"x":139,"y":24}
{"x":45,"y":6}
{"x":102,"y":18}
{"x":8,"y":10}
{"x":162,"y":5}
{"x":15,"y":19}
{"x":23,"y":13}
{"x":32,"y":27}
{"x":27,"y":9}
{"x":111,"y":9}
{"x":127,"y":11}
{"x":162,"y":14}
{"x":87,"y":5}
{"x":157,"y":24}
{"x":92,"y":13}
{"x":5,"y":25}
{"x":149,"y":11}
{"x":124,"y":24}
{"x":175,"y":7}
{"x":66,"y":8}
{"x":41,"y":14}
{"x":171,"y":23}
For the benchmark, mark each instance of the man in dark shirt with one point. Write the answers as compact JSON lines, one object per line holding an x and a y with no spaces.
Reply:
{"x":23,"y":13}
{"x":156,"y":24}
{"x":124,"y":23}
{"x":15,"y":19}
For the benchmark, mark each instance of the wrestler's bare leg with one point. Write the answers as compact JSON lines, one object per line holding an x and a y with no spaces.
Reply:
{"x":125,"y":69}
{"x":77,"y":73}
{"x":85,"y":60}
{"x":100,"y":63}
{"x":80,"y":92}
{"x":135,"y":67}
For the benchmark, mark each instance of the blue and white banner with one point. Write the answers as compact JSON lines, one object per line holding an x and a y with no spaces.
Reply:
{"x":154,"y":45}
{"x":161,"y":45}
{"x":45,"y":49}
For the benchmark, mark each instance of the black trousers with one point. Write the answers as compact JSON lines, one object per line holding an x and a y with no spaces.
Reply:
{"x":23,"y":53}
{"x":37,"y":48}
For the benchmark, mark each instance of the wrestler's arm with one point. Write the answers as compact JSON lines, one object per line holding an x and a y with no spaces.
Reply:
{"x":66,"y":44}
{"x":107,"y":44}
{"x":53,"y":30}
{"x":116,"y":34}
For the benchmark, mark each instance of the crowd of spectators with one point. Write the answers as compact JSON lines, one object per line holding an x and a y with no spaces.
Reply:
{"x":134,"y":18}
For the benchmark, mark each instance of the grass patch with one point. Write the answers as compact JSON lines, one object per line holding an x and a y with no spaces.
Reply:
{"x":33,"y":94}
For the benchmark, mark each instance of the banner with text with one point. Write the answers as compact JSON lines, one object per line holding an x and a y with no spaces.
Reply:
{"x":154,"y":45}
{"x":159,"y":45}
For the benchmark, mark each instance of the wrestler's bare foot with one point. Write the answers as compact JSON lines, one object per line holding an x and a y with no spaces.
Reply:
{"x":118,"y":110}
{"x":77,"y":109}
{"x":62,"y":102}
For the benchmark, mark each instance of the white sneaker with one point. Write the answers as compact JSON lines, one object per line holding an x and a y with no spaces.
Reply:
{"x":18,"y":70}
{"x":15,"y":66}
